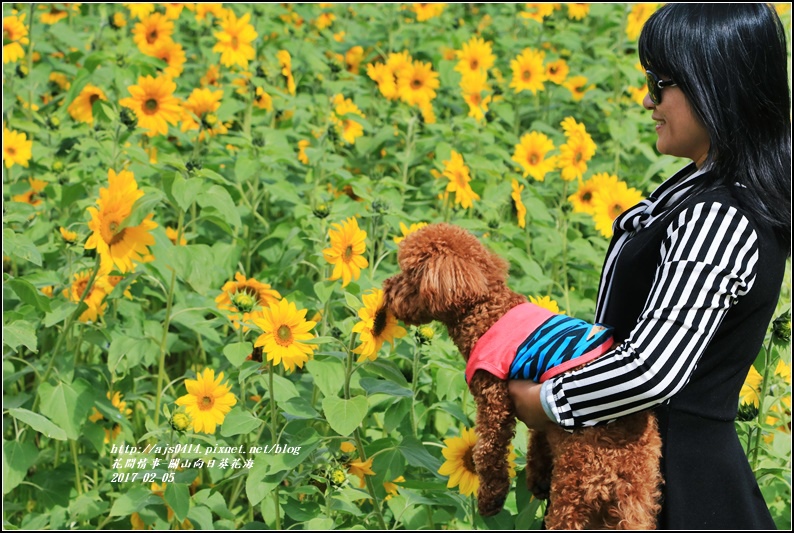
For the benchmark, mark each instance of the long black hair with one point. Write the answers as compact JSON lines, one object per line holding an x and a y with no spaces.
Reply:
{"x":731,"y":62}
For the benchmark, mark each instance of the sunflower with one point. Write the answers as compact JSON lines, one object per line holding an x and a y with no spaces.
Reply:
{"x":557,"y":71}
{"x":203,"y":9}
{"x":577,"y":151}
{"x":348,"y":244}
{"x":428,"y":114}
{"x":15,"y":34}
{"x":285,"y":62}
{"x":459,"y":464}
{"x":302,"y":145}
{"x":207,"y":402}
{"x":33,"y":195}
{"x":610,"y":203}
{"x":531,"y":153}
{"x":377,"y":325}
{"x":173,"y":11}
{"x":54,"y":13}
{"x":234,"y":40}
{"x":475,"y":90}
{"x":456,"y":171}
{"x":263,"y":100}
{"x":385,"y":74}
{"x":154,"y":104}
{"x":245,"y":299}
{"x":582,"y":199}
{"x":360,"y":469}
{"x":353,"y":59}
{"x":427,"y":11}
{"x":17,"y":149}
{"x":81,"y":108}
{"x":546,"y":303}
{"x":172,"y":235}
{"x":349,"y":129}
{"x":578,"y":11}
{"x":174,"y":56}
{"x":639,"y":14}
{"x":60,"y":80}
{"x":528,"y":71}
{"x":751,"y":390}
{"x":324,"y":21}
{"x":117,"y":244}
{"x":211,"y":77}
{"x":95,"y":299}
{"x":538,"y":12}
{"x":140,"y":10}
{"x":118,"y":403}
{"x":521,"y":210}
{"x":68,"y":236}
{"x":392,"y":488}
{"x":285,"y":329}
{"x":199,"y":109}
{"x":475,"y":56}
{"x":416,"y":83}
{"x":151,"y":32}
{"x":406,"y":230}
{"x":576,"y":84}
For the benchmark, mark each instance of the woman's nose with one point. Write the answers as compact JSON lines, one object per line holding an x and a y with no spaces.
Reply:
{"x":647,"y":103}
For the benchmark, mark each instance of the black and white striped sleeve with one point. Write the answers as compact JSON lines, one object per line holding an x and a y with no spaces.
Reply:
{"x":708,"y":259}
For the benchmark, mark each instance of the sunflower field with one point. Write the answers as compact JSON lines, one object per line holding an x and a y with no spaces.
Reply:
{"x":201,"y":203}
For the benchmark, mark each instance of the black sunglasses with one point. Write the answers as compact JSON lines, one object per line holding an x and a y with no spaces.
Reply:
{"x":655,"y":86}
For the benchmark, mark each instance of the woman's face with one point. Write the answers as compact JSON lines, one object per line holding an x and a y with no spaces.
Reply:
{"x":679,"y":132}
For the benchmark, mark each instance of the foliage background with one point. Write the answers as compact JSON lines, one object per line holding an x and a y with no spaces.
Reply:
{"x":245,"y":202}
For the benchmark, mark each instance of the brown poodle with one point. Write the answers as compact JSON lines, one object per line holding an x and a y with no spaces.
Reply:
{"x":603,"y":477}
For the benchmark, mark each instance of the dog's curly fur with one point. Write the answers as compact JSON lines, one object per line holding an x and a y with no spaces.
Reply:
{"x":604,"y":477}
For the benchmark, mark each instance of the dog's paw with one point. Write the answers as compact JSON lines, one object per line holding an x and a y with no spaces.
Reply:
{"x":539,"y":488}
{"x":490,"y":507}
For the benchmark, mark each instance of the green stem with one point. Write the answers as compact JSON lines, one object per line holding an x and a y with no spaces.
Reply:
{"x":164,"y":340}
{"x":565,"y":248}
{"x":409,"y":144}
{"x":414,"y":386}
{"x":69,"y":322}
{"x":761,"y":402}
{"x":274,"y":438}
{"x":77,"y":475}
{"x":370,"y":486}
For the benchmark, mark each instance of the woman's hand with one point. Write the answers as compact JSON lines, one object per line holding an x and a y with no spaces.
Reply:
{"x":526,"y":397}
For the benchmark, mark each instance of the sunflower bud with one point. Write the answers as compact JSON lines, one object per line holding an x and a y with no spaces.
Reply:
{"x":337,"y":476}
{"x":747,"y":412}
{"x":321,"y":211}
{"x":781,"y":329}
{"x":180,"y":421}
{"x":22,"y":71}
{"x":128,"y":118}
{"x":57,"y":166}
{"x":425,"y":334}
{"x":53,"y":122}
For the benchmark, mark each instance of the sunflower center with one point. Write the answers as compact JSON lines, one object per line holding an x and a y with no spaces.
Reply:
{"x":475,"y":98}
{"x":151,"y":37}
{"x":468,"y":460}
{"x":474,"y":64}
{"x":235,"y":42}
{"x":244,"y":302}
{"x":534,"y":159}
{"x":416,"y":83}
{"x":10,"y":150}
{"x":577,"y":158}
{"x":526,"y":75}
{"x":115,"y":237}
{"x":150,"y":106}
{"x":615,"y":211}
{"x":587,"y":197}
{"x":79,"y":287}
{"x":93,"y":98}
{"x":348,"y":254}
{"x":379,"y":322}
{"x":284,"y":335}
{"x":205,"y":403}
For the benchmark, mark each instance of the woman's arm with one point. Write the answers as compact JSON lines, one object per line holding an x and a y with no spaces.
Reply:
{"x":708,"y":259}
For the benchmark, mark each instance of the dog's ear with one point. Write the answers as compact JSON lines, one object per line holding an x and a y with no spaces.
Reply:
{"x":450,"y":282}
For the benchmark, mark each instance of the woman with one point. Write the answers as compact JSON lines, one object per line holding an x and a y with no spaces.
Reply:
{"x":693,"y":274}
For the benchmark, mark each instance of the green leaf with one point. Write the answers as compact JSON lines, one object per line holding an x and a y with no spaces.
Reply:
{"x":17,"y":458}
{"x":344,"y":416}
{"x":29,"y":294}
{"x":416,"y":455}
{"x":324,"y":290}
{"x":21,"y":247}
{"x":133,"y":500}
{"x":177,"y":497}
{"x":239,"y":422}
{"x":299,"y":408}
{"x":60,"y":311}
{"x":381,"y":386}
{"x":67,"y":404}
{"x":184,"y":191}
{"x":39,"y":423}
{"x":88,"y":506}
{"x":328,"y":374}
{"x":237,"y":352}
{"x":219,"y":198}
{"x":18,"y":333}
{"x":125,"y":353}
